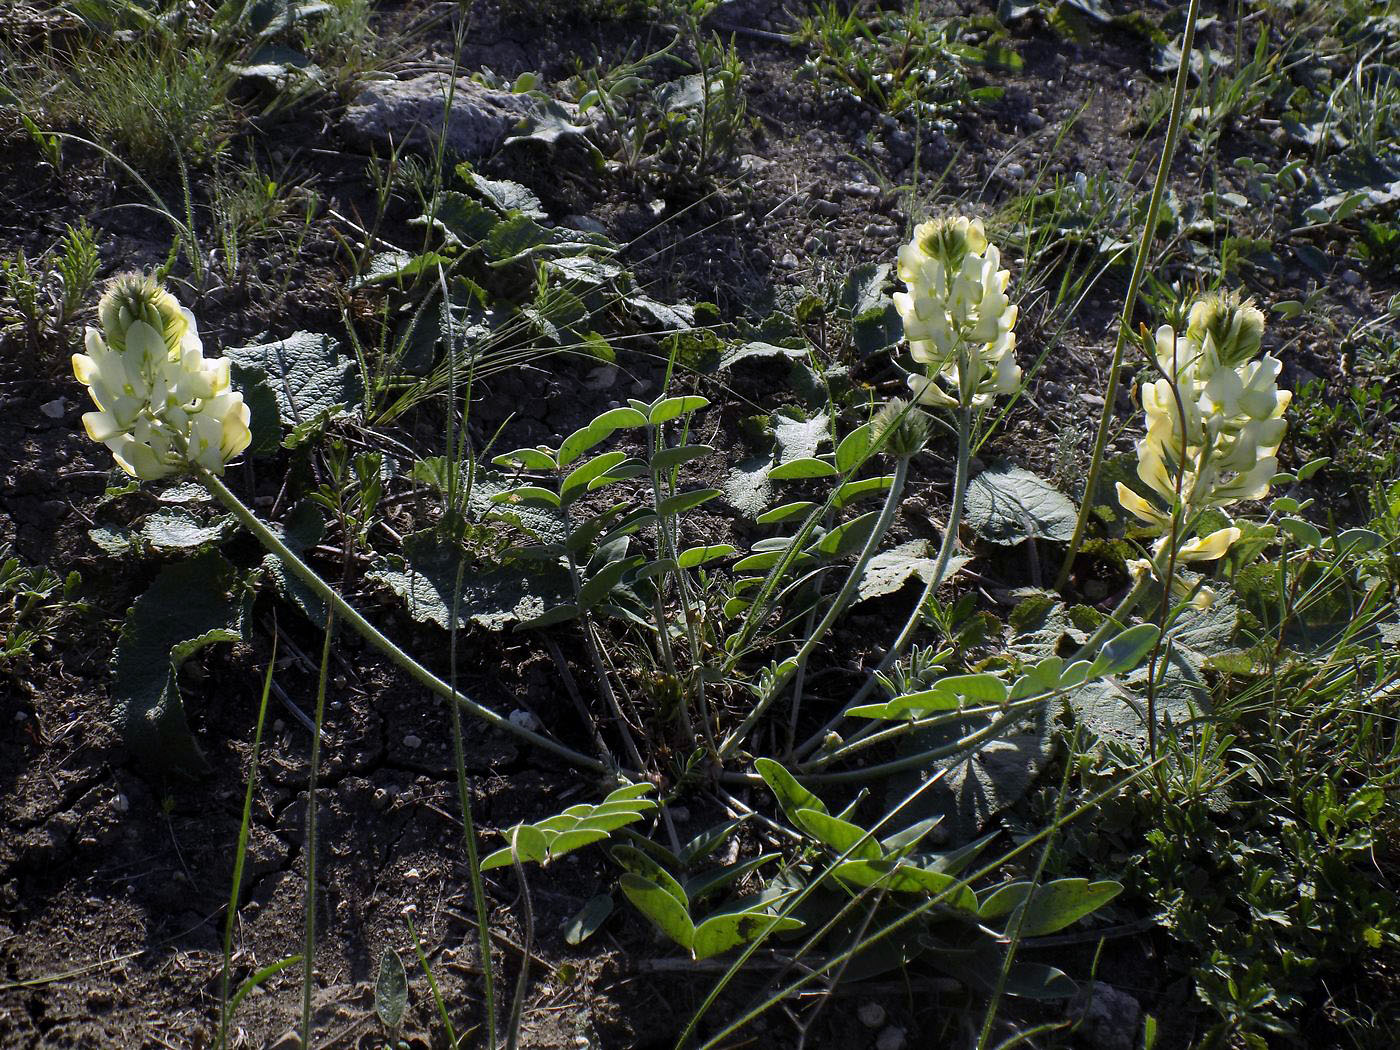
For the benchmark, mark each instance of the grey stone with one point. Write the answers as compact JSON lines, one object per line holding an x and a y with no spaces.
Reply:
{"x":1108,"y":1018}
{"x":412,"y":112}
{"x":872,"y":1015}
{"x":891,"y":1038}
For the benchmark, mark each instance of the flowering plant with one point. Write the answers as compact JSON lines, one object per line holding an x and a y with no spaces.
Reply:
{"x":957,"y":316}
{"x":1214,"y":424}
{"x":162,"y":407}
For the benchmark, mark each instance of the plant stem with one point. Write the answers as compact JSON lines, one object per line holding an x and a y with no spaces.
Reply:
{"x":309,"y":950}
{"x":935,"y":580}
{"x":348,"y":614}
{"x":459,"y":761}
{"x":1149,"y":231}
{"x":240,"y":856}
{"x":838,"y":606}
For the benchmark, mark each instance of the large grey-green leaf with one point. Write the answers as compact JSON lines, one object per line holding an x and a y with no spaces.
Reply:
{"x":505,"y":196}
{"x":890,"y":570}
{"x":306,"y":373}
{"x":1007,"y":505}
{"x":1116,"y":708}
{"x":303,"y":528}
{"x":174,"y":529}
{"x":189,"y":606}
{"x":426,"y":574}
{"x":748,"y":488}
{"x":758,"y":351}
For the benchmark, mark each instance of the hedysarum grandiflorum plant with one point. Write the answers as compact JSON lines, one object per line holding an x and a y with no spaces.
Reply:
{"x":162,"y":407}
{"x":1214,"y":423}
{"x":957,"y":316}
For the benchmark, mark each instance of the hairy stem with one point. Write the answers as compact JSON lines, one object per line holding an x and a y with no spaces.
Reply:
{"x":838,"y":606}
{"x":346,"y":613}
{"x":935,"y":580}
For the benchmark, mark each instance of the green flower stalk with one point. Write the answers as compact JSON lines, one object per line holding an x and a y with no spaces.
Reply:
{"x":1214,"y":423}
{"x":960,"y":324}
{"x":162,"y":408}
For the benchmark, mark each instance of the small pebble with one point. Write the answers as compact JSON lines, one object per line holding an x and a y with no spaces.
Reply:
{"x":412,"y":875}
{"x":412,"y":741}
{"x":54,"y":409}
{"x":525,"y":720}
{"x":1015,"y":171}
{"x":788,"y":261}
{"x":872,"y":1015}
{"x":1034,"y":121}
{"x":122,"y":803}
{"x":891,"y":1038}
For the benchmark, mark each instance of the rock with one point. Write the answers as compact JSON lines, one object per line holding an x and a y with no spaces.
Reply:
{"x":411,"y":111}
{"x":584,"y":224}
{"x":412,"y":741}
{"x":1108,"y":1018}
{"x":891,"y":1038}
{"x":1033,"y":121}
{"x":872,"y":1015}
{"x":525,"y":720}
{"x":58,"y":406}
{"x":288,"y":1040}
{"x":1015,"y":171}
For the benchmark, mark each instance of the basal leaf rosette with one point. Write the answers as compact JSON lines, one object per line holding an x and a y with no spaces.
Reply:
{"x":1214,"y":424}
{"x":957,"y":316}
{"x":162,"y":407}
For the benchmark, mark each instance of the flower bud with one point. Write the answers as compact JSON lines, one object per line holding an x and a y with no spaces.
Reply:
{"x":1230,"y":327}
{"x":904,"y":427}
{"x":133,"y":297}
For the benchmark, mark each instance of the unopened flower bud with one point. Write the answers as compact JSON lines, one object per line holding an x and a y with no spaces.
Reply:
{"x":1232,"y":327}
{"x":903,"y":426}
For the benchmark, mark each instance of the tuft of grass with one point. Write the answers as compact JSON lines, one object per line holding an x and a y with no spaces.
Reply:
{"x":150,"y":101}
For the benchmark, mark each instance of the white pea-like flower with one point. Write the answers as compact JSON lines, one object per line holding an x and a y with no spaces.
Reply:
{"x":958,"y":318}
{"x":161,"y":406}
{"x":1214,"y":424}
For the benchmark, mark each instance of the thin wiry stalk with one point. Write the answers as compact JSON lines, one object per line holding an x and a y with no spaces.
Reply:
{"x":1149,"y":231}
{"x":309,"y":939}
{"x":837,"y":607}
{"x":240,"y":855}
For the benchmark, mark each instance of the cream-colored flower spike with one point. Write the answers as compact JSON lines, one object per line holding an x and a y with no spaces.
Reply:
{"x":957,"y":316}
{"x":1214,"y":423}
{"x":161,"y":406}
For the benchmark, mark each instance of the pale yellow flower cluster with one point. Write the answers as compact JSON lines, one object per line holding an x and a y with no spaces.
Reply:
{"x":162,"y":406}
{"x":1214,"y":423}
{"x":957,"y":317}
